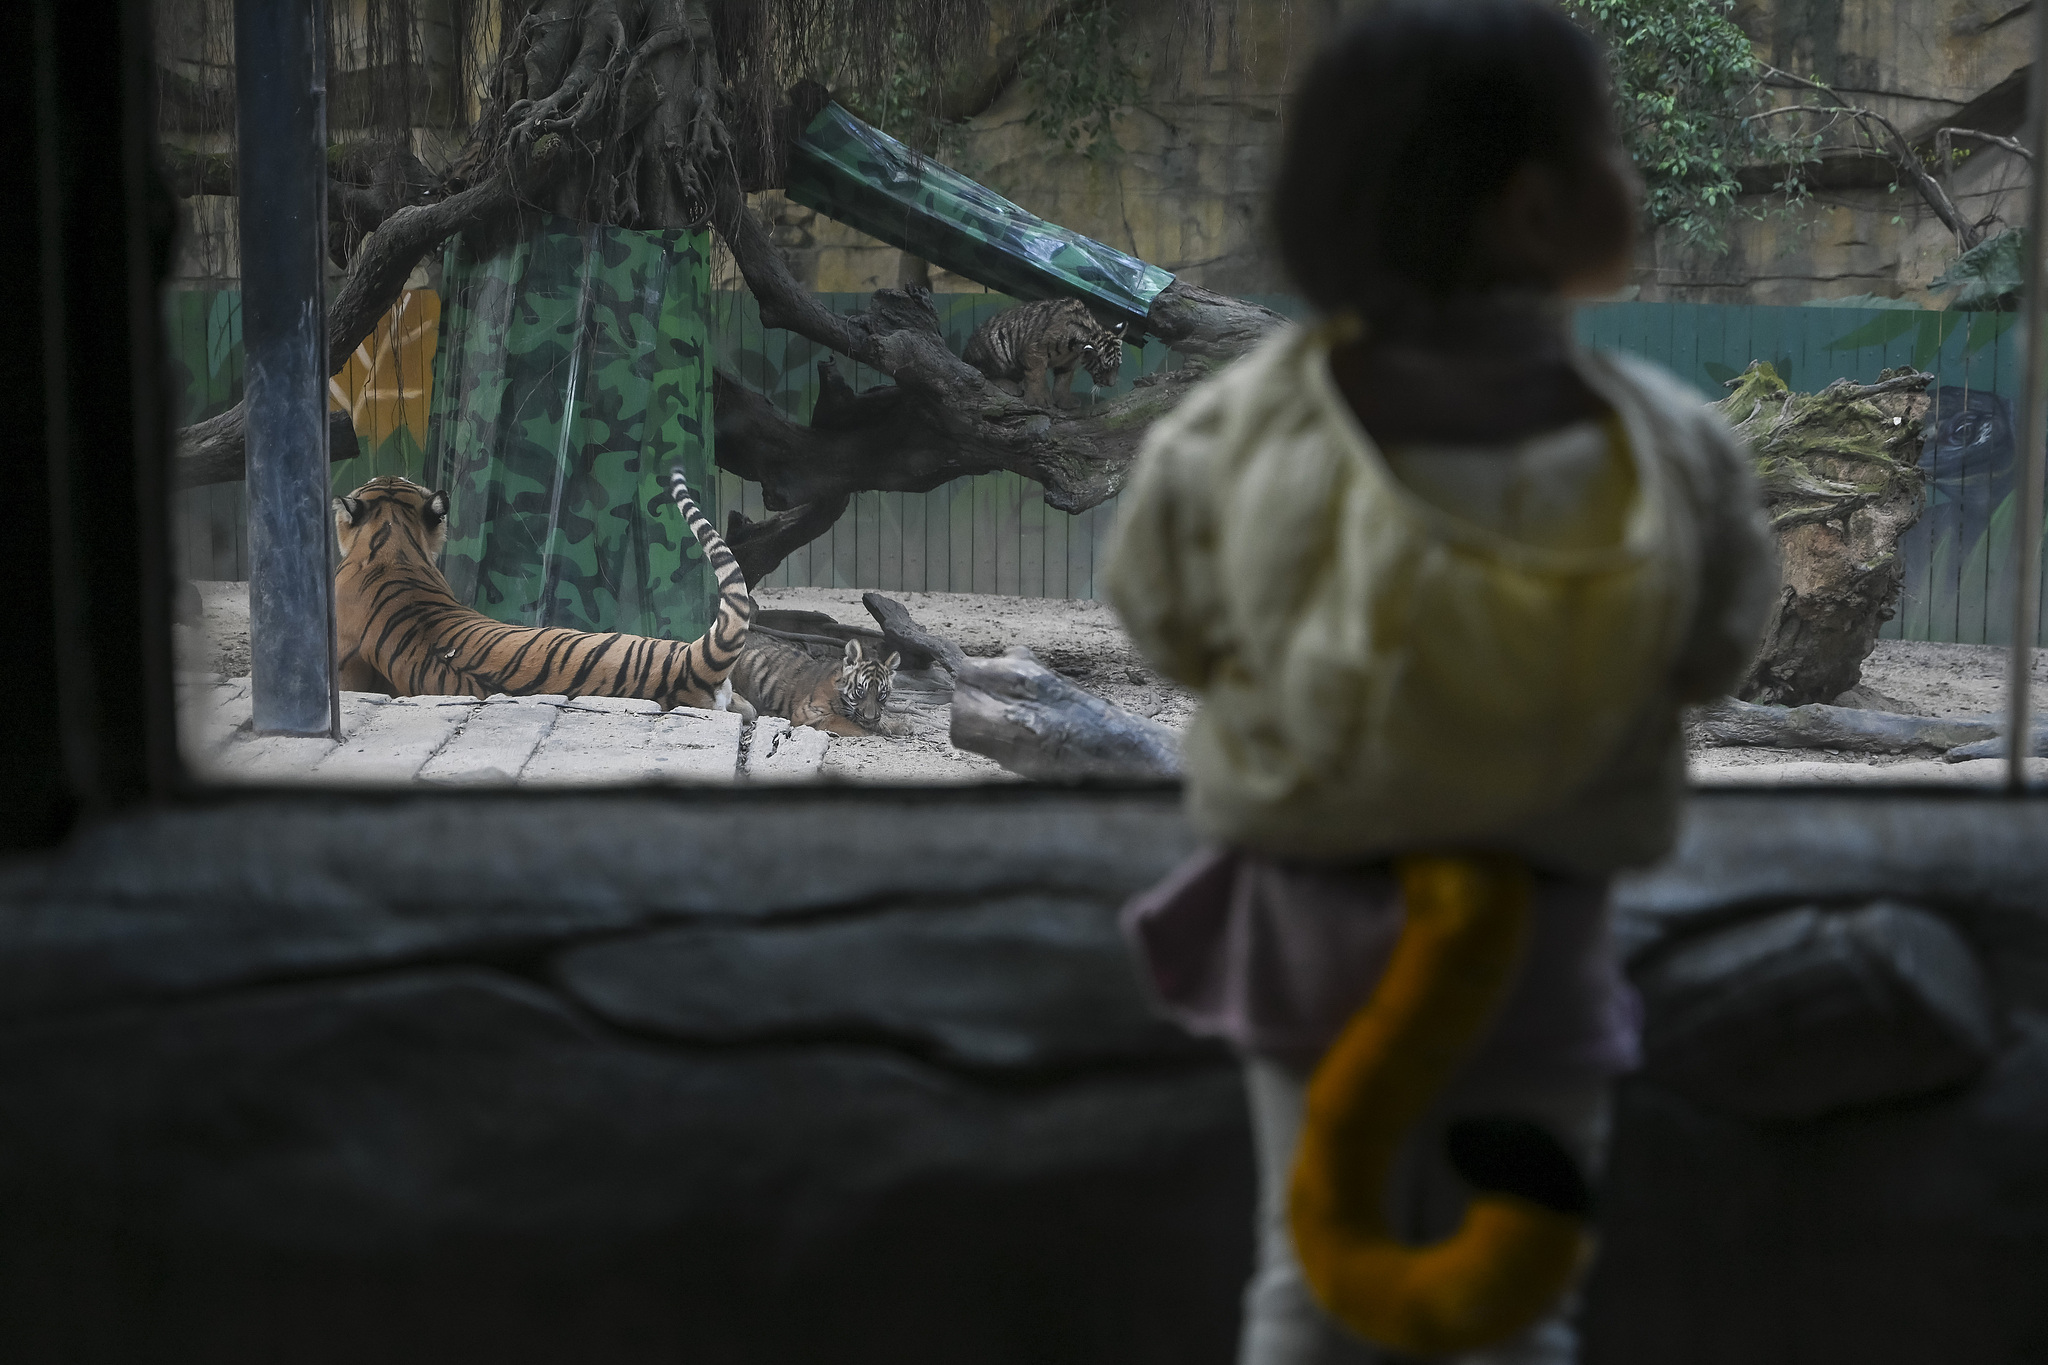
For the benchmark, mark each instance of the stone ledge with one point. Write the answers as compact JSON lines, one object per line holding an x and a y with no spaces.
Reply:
{"x":460,"y":741}
{"x":1015,"y":983}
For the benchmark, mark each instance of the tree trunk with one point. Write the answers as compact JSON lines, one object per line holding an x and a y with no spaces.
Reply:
{"x":1036,"y":723}
{"x":1841,"y":477}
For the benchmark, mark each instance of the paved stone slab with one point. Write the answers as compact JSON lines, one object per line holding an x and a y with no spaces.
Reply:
{"x":492,"y":748}
{"x":634,"y":706}
{"x":254,"y":758}
{"x":619,"y":740}
{"x":690,"y":745}
{"x":395,"y":741}
{"x":269,"y":758}
{"x":785,"y":754}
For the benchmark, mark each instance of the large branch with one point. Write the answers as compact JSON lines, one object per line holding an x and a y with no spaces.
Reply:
{"x":760,"y":546}
{"x":1036,"y":723}
{"x":918,"y":646}
{"x":213,"y":452}
{"x":1896,"y":146}
{"x":1819,"y":726}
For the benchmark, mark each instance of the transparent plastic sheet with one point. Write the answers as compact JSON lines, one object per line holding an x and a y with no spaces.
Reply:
{"x":860,"y":176}
{"x":573,"y":371}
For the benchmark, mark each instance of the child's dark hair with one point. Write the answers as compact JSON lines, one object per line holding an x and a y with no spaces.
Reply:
{"x":1408,"y":123}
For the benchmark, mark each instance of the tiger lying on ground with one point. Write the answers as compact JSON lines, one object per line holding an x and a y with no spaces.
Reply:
{"x":844,"y":698}
{"x":1042,"y":345}
{"x":401,"y":631}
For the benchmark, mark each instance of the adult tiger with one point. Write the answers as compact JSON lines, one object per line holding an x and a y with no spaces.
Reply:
{"x":401,"y":631}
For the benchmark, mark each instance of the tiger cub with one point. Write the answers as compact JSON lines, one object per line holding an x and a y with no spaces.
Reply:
{"x":1042,"y":345}
{"x":783,"y":679}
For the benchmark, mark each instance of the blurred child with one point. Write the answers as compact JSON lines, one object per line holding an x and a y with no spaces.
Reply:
{"x":1442,"y":581}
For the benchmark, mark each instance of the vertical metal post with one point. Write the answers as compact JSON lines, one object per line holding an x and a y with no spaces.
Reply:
{"x":2026,"y":557}
{"x":281,"y":118}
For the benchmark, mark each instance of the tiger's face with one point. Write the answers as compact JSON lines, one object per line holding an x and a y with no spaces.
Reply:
{"x":864,"y":684}
{"x":1103,"y":355}
{"x":400,"y":504}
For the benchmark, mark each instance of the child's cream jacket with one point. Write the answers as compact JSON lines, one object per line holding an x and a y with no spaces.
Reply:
{"x":1378,"y":676}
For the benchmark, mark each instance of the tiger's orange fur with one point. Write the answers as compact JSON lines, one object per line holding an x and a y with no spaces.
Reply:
{"x":400,"y":630}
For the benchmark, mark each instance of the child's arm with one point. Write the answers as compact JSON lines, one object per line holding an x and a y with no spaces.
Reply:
{"x":1160,"y":576}
{"x":1739,"y":580}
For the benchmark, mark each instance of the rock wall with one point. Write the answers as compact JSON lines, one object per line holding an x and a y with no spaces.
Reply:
{"x":867,"y":1077}
{"x":1188,"y":190}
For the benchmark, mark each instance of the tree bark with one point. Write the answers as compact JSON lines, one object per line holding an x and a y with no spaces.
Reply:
{"x":918,"y":646}
{"x":1036,"y":723}
{"x":1832,"y":727}
{"x":760,"y":546}
{"x":942,"y":419}
{"x":1841,"y":479}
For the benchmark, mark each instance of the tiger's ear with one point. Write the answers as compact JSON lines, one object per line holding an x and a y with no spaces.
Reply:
{"x":348,"y":509}
{"x":853,"y":651}
{"x":1118,"y":330}
{"x":892,"y":662}
{"x":436,"y":511}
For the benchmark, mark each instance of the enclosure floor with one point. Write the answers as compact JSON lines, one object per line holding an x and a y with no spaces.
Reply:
{"x":1085,"y":641}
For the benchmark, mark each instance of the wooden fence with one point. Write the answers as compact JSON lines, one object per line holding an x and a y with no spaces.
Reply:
{"x":994,"y":534}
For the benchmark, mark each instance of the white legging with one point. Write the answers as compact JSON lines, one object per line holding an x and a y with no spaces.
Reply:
{"x":1283,"y":1324}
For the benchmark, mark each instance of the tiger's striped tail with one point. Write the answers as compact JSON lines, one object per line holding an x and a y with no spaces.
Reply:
{"x":728,"y":633}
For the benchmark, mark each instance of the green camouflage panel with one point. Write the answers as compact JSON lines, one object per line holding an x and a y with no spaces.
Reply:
{"x":864,"y":178}
{"x":573,"y":371}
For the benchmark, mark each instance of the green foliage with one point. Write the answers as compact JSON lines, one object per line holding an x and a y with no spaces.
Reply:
{"x":1073,"y":68}
{"x":1079,"y":79}
{"x":1687,"y":88}
{"x":1989,"y":275}
{"x":903,"y":106}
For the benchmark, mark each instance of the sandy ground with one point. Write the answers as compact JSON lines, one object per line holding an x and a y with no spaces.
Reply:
{"x":221,"y":646}
{"x":1084,"y":641}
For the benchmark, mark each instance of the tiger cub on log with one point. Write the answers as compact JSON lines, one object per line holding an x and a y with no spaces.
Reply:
{"x":401,"y":631}
{"x":784,"y":679}
{"x":1040,"y":343}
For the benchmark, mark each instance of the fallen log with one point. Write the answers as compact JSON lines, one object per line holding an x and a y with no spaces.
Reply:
{"x":1842,"y":483}
{"x":918,"y":646}
{"x":1036,"y":723}
{"x":1818,"y":726}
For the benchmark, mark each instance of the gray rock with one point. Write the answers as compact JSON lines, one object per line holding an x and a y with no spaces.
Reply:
{"x":1903,"y":1235}
{"x":1028,"y":982}
{"x":1809,"y":1010}
{"x":1982,"y":858}
{"x":449,"y":1165}
{"x":173,"y":900}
